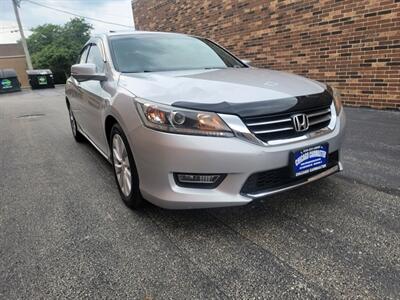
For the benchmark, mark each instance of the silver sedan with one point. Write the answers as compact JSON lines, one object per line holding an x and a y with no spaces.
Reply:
{"x":186,"y":124}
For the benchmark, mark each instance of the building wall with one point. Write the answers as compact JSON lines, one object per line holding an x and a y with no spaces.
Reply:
{"x":19,"y":64}
{"x":351,"y":44}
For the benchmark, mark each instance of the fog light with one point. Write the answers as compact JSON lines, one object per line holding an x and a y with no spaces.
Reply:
{"x":202,"y":181}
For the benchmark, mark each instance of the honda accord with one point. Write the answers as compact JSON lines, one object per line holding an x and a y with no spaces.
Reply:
{"x":186,"y":124}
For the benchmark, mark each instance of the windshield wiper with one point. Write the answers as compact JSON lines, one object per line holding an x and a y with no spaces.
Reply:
{"x":211,"y":68}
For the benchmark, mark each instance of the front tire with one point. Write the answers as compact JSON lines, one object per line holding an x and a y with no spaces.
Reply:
{"x":125,"y":171}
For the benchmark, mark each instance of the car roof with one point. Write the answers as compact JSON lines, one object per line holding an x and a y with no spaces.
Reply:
{"x":134,"y":32}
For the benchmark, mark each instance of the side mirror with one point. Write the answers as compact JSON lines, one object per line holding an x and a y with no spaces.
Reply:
{"x":246,"y":62}
{"x":84,"y":72}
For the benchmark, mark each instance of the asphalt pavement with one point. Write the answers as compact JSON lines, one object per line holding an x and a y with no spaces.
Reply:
{"x":65,"y":233}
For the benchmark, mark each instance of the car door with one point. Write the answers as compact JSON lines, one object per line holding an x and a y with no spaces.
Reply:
{"x":96,"y":98}
{"x":76,"y":97}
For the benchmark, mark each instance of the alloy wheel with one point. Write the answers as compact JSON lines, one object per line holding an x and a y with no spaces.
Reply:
{"x":73,"y":123}
{"x":121,"y":165}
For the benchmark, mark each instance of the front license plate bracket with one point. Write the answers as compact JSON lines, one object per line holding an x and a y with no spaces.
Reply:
{"x":309,"y":160}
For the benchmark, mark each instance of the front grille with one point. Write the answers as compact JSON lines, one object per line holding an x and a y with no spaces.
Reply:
{"x":277,"y":178}
{"x":280,"y":126}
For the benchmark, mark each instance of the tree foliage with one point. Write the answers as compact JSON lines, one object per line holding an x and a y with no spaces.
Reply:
{"x":56,"y":47}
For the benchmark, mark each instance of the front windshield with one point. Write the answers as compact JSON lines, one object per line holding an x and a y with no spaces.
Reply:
{"x":162,"y":52}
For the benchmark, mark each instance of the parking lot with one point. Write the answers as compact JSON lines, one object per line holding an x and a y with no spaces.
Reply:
{"x":65,"y":233}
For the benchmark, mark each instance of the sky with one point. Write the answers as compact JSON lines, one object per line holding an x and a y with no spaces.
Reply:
{"x":115,"y":11}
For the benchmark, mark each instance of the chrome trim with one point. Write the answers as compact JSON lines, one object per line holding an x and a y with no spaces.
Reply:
{"x":316,"y":177}
{"x":240,"y":130}
{"x":322,"y":112}
{"x":331,"y":126}
{"x":334,"y":116}
{"x":273,"y":130}
{"x":93,"y":144}
{"x":300,"y":122}
{"x":270,"y":122}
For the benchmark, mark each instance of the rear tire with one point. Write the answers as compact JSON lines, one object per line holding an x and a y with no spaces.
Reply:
{"x":74,"y":127}
{"x":125,"y":172}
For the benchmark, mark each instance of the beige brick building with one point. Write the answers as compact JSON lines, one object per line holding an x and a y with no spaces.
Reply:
{"x":12,"y":57}
{"x":353,"y":45}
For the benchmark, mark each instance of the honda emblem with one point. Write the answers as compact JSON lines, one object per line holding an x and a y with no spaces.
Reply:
{"x":300,"y":122}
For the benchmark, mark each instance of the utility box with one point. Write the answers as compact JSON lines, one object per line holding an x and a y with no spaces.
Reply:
{"x":40,"y":79}
{"x":9,"y":81}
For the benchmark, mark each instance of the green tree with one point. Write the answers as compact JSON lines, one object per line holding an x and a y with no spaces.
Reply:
{"x":56,"y":47}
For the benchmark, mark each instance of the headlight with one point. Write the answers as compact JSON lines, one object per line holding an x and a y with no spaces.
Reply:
{"x":337,"y":99}
{"x":183,"y":121}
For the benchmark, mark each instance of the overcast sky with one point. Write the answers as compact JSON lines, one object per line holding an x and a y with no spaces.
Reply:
{"x":116,"y":11}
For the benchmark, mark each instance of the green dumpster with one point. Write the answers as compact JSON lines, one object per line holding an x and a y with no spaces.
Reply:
{"x":40,"y":79}
{"x":9,"y":81}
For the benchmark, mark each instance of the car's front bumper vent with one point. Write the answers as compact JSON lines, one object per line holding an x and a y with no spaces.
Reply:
{"x":281,"y":126}
{"x":276,"y":179}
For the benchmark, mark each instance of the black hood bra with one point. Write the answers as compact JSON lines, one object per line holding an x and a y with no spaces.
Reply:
{"x":259,"y":108}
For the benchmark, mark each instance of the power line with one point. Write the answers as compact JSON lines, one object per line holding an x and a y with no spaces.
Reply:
{"x":90,"y":2}
{"x":13,"y":30}
{"x":8,"y":27}
{"x":77,"y":15}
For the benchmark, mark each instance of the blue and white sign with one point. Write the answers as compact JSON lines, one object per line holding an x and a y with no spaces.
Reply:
{"x":309,"y":160}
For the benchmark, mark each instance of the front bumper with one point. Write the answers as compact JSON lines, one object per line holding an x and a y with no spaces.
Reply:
{"x":158,"y":155}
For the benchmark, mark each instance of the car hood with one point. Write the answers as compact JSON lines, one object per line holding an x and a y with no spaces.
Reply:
{"x":242,"y":91}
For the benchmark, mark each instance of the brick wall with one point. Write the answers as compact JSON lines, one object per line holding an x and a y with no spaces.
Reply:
{"x":353,"y":45}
